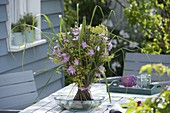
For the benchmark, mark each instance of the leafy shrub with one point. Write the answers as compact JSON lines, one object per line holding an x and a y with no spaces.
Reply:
{"x":152,"y":16}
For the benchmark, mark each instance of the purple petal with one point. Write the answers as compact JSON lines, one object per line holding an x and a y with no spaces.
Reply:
{"x":71,"y":70}
{"x":97,"y":74}
{"x":76,"y":38}
{"x":110,"y":46}
{"x":76,"y":62}
{"x":65,"y":58}
{"x":84,"y":44}
{"x":91,"y":52}
{"x":65,"y":40}
{"x":75,"y":31}
{"x":101,"y":67}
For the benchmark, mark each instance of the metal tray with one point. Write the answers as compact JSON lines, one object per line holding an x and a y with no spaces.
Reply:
{"x":153,"y":89}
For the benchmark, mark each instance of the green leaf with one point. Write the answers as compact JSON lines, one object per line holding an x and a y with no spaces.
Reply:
{"x":147,"y":67}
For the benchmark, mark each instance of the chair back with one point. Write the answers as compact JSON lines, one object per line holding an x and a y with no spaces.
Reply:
{"x":17,"y":90}
{"x":134,"y":61}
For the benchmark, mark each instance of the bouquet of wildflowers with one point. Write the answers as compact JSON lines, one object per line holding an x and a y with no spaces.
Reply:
{"x":83,"y":51}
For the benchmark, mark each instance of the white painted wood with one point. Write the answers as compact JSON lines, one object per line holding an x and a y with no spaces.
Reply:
{"x":48,"y":105}
{"x":17,"y":90}
{"x":26,"y":46}
{"x":17,"y":8}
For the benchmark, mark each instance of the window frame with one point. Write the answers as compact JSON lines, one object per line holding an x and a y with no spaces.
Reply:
{"x":16,"y":8}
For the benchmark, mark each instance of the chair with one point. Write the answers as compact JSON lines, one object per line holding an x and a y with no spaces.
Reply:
{"x":134,"y":61}
{"x":17,"y":91}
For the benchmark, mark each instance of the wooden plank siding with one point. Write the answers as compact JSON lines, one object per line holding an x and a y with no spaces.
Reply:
{"x":3,"y":27}
{"x":134,"y":61}
{"x":35,"y":58}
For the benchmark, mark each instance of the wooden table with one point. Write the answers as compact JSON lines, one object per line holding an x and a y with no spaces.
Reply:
{"x":48,"y":104}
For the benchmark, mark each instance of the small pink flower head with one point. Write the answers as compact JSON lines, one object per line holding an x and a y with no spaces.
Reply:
{"x":91,"y":52}
{"x":71,"y":70}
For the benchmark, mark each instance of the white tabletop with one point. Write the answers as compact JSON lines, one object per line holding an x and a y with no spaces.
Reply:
{"x":48,"y":105}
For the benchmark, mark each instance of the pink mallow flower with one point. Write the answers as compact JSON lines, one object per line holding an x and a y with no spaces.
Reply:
{"x":97,"y":74}
{"x":84,"y":44}
{"x":75,"y":31}
{"x":71,"y":70}
{"x":101,"y":68}
{"x":65,"y":40}
{"x":76,"y":38}
{"x":91,"y":52}
{"x":76,"y":62}
{"x":110,"y":46}
{"x":57,"y":51}
{"x":65,"y":58}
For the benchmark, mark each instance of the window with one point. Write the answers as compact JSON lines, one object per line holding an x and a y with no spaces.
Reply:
{"x":16,"y":9}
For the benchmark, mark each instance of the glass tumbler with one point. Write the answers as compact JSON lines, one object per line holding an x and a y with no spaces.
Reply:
{"x":144,"y":80}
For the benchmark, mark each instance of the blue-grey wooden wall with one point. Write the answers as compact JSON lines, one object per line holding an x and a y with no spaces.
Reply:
{"x":35,"y":58}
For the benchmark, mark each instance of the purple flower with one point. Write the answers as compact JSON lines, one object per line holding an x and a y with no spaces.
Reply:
{"x":76,"y":62}
{"x":101,"y":34}
{"x":65,"y":40}
{"x":97,"y":74}
{"x":105,"y":51}
{"x":65,"y":58}
{"x":84,"y":44}
{"x":76,"y":38}
{"x":71,"y":70}
{"x":101,"y":68}
{"x":57,"y":51}
{"x":105,"y":39}
{"x":55,"y":47}
{"x":91,"y":52}
{"x":110,"y":46}
{"x":75,"y":31}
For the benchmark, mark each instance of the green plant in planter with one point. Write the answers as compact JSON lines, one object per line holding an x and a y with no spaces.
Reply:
{"x":17,"y":32}
{"x":159,"y":104}
{"x":30,"y":22}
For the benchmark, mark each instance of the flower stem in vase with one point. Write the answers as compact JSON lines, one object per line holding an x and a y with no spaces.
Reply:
{"x":83,"y":94}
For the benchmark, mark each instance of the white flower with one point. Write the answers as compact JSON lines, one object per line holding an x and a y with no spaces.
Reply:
{"x":135,"y":31}
{"x":108,"y":22}
{"x":121,"y":32}
{"x":115,"y":65}
{"x":114,"y":41}
{"x":133,"y":44}
{"x":124,"y":34}
{"x":97,"y":48}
